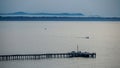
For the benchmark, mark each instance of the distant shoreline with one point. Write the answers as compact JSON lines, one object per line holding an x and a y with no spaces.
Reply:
{"x":23,"y":18}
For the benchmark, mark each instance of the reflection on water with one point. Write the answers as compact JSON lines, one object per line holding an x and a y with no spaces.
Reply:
{"x":21,"y":37}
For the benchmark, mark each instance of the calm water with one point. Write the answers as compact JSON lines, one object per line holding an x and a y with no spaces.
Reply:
{"x":21,"y":37}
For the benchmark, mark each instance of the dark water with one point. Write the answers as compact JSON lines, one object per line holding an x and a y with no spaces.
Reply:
{"x":53,"y":37}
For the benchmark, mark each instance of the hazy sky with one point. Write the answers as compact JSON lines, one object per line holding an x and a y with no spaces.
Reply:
{"x":87,"y":7}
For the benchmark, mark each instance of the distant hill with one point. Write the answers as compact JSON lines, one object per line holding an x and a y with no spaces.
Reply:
{"x":16,"y":13}
{"x":25,"y":13}
{"x":24,"y":16}
{"x":19,"y":13}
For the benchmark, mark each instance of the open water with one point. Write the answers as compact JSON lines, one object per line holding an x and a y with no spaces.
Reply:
{"x":34,"y":37}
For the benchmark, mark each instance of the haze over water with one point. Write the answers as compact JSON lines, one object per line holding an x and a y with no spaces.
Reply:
{"x":34,"y":37}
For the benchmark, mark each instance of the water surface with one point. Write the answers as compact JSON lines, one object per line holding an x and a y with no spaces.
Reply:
{"x":26,"y":37}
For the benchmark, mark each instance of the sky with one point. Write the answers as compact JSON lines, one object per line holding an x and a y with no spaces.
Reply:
{"x":109,"y":8}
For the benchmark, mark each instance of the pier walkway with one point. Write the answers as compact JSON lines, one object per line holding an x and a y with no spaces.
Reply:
{"x":47,"y":55}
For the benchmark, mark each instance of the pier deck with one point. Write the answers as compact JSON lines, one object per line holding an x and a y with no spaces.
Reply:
{"x":47,"y":55}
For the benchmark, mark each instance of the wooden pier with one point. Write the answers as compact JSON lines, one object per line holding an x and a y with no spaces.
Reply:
{"x":47,"y":55}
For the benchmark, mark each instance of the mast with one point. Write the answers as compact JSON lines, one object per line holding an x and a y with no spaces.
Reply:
{"x":77,"y":48}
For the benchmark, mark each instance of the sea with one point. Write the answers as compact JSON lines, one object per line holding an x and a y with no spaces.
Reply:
{"x":37,"y":37}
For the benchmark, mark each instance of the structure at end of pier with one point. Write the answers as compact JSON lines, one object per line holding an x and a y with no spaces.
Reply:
{"x":82,"y":54}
